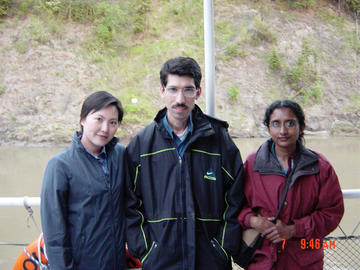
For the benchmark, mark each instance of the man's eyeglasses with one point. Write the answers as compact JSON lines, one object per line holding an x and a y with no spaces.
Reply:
{"x":286,"y":124}
{"x":189,"y":92}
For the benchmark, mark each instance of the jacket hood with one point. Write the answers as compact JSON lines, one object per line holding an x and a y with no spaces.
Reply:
{"x":305,"y":160}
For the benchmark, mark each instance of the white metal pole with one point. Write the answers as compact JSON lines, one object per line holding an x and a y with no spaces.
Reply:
{"x":209,"y":56}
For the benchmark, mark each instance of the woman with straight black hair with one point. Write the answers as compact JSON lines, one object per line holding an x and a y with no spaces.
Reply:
{"x":82,"y":195}
{"x":313,"y":206}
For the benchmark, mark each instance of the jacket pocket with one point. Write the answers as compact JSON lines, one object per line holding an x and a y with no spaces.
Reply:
{"x":220,"y":251}
{"x":148,"y":256}
{"x":209,"y":253}
{"x":308,"y":256}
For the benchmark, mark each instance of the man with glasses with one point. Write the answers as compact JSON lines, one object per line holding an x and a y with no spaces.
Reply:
{"x":185,"y":184}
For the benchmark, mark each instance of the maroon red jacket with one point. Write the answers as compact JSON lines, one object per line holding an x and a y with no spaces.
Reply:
{"x":314,"y":203}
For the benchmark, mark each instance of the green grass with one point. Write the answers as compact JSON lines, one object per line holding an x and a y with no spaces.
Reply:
{"x":231,"y":51}
{"x":33,"y":34}
{"x":225,"y":32}
{"x":275,"y":92}
{"x":353,"y":42}
{"x":5,"y":6}
{"x":125,"y":62}
{"x":312,"y":93}
{"x":354,"y":106}
{"x":129,"y":38}
{"x":21,"y":46}
{"x":262,"y":33}
{"x":273,"y":61}
{"x":304,"y":3}
{"x":233,"y":92}
{"x":303,"y":76}
{"x":332,"y":19}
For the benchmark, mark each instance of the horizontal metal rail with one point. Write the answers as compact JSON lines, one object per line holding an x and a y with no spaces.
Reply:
{"x":35,"y":201}
{"x":20,"y":201}
{"x":351,"y":193}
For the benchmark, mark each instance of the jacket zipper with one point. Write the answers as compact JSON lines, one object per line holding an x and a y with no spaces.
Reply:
{"x":182,"y":192}
{"x":193,"y":138}
{"x":109,"y":187}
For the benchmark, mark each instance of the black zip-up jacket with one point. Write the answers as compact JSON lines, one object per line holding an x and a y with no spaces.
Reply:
{"x":82,"y":210}
{"x":181,"y":212}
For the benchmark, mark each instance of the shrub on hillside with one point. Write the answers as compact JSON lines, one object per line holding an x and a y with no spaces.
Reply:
{"x":303,"y":76}
{"x":4,"y":7}
{"x":140,"y":8}
{"x":354,"y":5}
{"x":262,"y":32}
{"x":233,"y":92}
{"x":302,"y":3}
{"x":354,"y":42}
{"x":274,"y":61}
{"x":78,"y":11}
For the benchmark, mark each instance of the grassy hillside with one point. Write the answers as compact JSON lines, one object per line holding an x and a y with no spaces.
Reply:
{"x":53,"y":53}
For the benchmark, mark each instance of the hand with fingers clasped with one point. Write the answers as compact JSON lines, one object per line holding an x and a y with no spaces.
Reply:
{"x":279,"y":231}
{"x":261,"y":224}
{"x":274,"y":232}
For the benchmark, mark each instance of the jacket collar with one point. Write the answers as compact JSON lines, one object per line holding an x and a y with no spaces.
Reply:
{"x":202,"y":126}
{"x":305,"y":160}
{"x":76,"y":141}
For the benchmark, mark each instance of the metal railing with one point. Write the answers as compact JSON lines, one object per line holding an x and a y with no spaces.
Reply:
{"x":20,"y":201}
{"x":35,"y":201}
{"x":346,"y":255}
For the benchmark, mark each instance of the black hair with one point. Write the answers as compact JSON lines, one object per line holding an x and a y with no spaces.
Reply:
{"x":293,"y":106}
{"x":99,"y":100}
{"x":181,"y":66}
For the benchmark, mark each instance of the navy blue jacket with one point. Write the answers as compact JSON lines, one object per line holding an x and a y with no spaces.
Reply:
{"x":82,"y":211}
{"x":181,"y":212}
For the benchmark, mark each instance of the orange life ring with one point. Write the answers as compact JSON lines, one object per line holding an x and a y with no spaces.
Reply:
{"x":29,"y":258}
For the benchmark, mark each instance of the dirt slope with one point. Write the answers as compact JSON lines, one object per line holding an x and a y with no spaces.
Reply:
{"x":42,"y":89}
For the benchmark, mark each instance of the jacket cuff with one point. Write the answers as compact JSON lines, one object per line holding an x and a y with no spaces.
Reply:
{"x":244,"y":218}
{"x":247,"y":219}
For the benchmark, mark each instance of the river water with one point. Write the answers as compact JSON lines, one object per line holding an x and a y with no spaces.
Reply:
{"x":21,"y":170}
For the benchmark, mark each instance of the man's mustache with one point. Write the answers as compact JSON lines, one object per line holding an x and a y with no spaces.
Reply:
{"x":179,"y":105}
